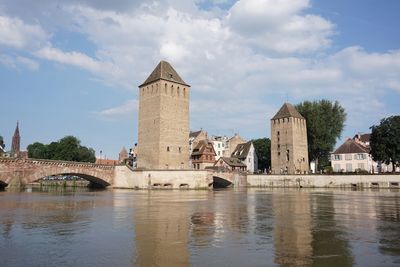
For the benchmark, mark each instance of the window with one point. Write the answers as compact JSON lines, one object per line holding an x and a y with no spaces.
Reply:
{"x":219,"y":145}
{"x":179,"y":149}
{"x":360,"y":156}
{"x":349,"y":167}
{"x":337,"y":157}
{"x":279,"y":154}
{"x":165,"y":88}
{"x":167,"y":148}
{"x":348,"y":157}
{"x":184,"y":91}
{"x":278,"y":133}
{"x":361,"y":166}
{"x":219,"y":153}
{"x":287,"y":155}
{"x":279,"y":146}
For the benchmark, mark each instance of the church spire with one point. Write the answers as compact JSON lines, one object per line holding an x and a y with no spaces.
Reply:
{"x":16,"y":140}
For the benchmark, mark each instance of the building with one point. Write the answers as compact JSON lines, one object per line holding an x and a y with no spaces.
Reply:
{"x":163,"y":120}
{"x":289,"y":150}
{"x":219,"y":143}
{"x":203,"y":155}
{"x":111,"y":162}
{"x":354,"y":156}
{"x":246,"y":153}
{"x":231,"y":164}
{"x":16,"y":143}
{"x":351,"y":156}
{"x":231,"y":144}
{"x":195,"y":137}
{"x":123,"y":155}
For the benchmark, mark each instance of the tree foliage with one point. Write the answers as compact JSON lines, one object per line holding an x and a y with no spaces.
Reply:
{"x":385,"y":141}
{"x":67,"y":148}
{"x":263,"y":150}
{"x":325,"y":123}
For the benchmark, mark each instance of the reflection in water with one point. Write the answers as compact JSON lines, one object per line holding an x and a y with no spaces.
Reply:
{"x":292,"y":232}
{"x":329,"y":241}
{"x":200,"y":228}
{"x":388,"y":212}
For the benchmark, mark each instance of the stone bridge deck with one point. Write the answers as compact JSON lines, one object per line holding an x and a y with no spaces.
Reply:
{"x":24,"y":171}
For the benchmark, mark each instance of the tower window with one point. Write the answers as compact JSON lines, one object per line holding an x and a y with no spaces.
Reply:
{"x":165,"y":88}
{"x":184,"y":91}
{"x":172,"y":90}
{"x":177,"y":91}
{"x":179,"y":149}
{"x":278,"y":133}
{"x":287,"y":155}
{"x":167,"y":148}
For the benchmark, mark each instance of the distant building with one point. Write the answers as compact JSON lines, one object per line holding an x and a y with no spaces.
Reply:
{"x":195,"y":137}
{"x":203,"y":155}
{"x":247,"y":155}
{"x":123,"y":155}
{"x":354,"y":155}
{"x":16,"y":143}
{"x":110,"y":162}
{"x":351,"y":156}
{"x":232,"y":164}
{"x":289,"y":151}
{"x":220,"y":144}
{"x":163,"y":120}
{"x":232,"y":143}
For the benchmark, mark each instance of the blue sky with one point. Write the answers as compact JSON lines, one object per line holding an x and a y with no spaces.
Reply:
{"x":73,"y":67}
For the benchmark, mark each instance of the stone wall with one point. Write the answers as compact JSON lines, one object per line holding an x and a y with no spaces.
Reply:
{"x":289,"y":135}
{"x":330,"y":181}
{"x":163,"y":126}
{"x":154,"y":179}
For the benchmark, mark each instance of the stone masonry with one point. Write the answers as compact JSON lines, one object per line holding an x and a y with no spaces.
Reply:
{"x":163,"y":120}
{"x":289,"y":150}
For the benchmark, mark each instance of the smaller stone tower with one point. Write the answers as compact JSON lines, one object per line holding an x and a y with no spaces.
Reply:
{"x":289,"y":149}
{"x":16,"y":140}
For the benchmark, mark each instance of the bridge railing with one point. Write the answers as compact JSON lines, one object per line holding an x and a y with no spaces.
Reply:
{"x":55,"y":162}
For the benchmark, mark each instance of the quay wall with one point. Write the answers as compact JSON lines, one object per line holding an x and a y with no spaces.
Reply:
{"x":161,"y":179}
{"x":325,"y":181}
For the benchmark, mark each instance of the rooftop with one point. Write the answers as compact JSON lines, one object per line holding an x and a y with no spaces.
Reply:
{"x":350,"y":146}
{"x":164,"y":71}
{"x":287,"y":111}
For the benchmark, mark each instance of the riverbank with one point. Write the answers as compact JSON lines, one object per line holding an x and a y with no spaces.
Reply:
{"x":324,"y":181}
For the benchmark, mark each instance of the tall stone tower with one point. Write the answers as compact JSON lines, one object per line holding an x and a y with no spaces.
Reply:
{"x":289,"y":150}
{"x":16,"y":141}
{"x":163,"y":139}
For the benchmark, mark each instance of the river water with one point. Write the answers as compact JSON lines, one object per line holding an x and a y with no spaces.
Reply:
{"x":251,"y":227}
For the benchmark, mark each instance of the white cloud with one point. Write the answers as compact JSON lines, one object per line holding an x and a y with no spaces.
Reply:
{"x":15,"y":33}
{"x":241,"y":62}
{"x":129,"y":108}
{"x":14,"y":62}
{"x":279,"y":26}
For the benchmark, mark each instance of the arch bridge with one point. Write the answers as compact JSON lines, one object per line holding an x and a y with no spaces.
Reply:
{"x":25,"y":171}
{"x":223,"y":179}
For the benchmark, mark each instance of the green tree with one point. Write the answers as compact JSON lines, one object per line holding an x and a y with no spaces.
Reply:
{"x":263,"y":150}
{"x":325,"y":123}
{"x":68,"y":148}
{"x":37,"y":151}
{"x":385,"y":141}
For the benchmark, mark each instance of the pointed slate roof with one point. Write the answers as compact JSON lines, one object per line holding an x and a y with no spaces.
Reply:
{"x":164,"y":71}
{"x":286,"y":111}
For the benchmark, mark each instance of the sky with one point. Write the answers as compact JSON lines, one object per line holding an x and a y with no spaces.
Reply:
{"x":73,"y":67}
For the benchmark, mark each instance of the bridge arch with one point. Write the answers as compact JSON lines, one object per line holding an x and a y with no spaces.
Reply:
{"x":219,"y":182}
{"x":31,"y":170}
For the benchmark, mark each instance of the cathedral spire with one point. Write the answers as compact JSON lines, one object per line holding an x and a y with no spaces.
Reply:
{"x":16,"y":140}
